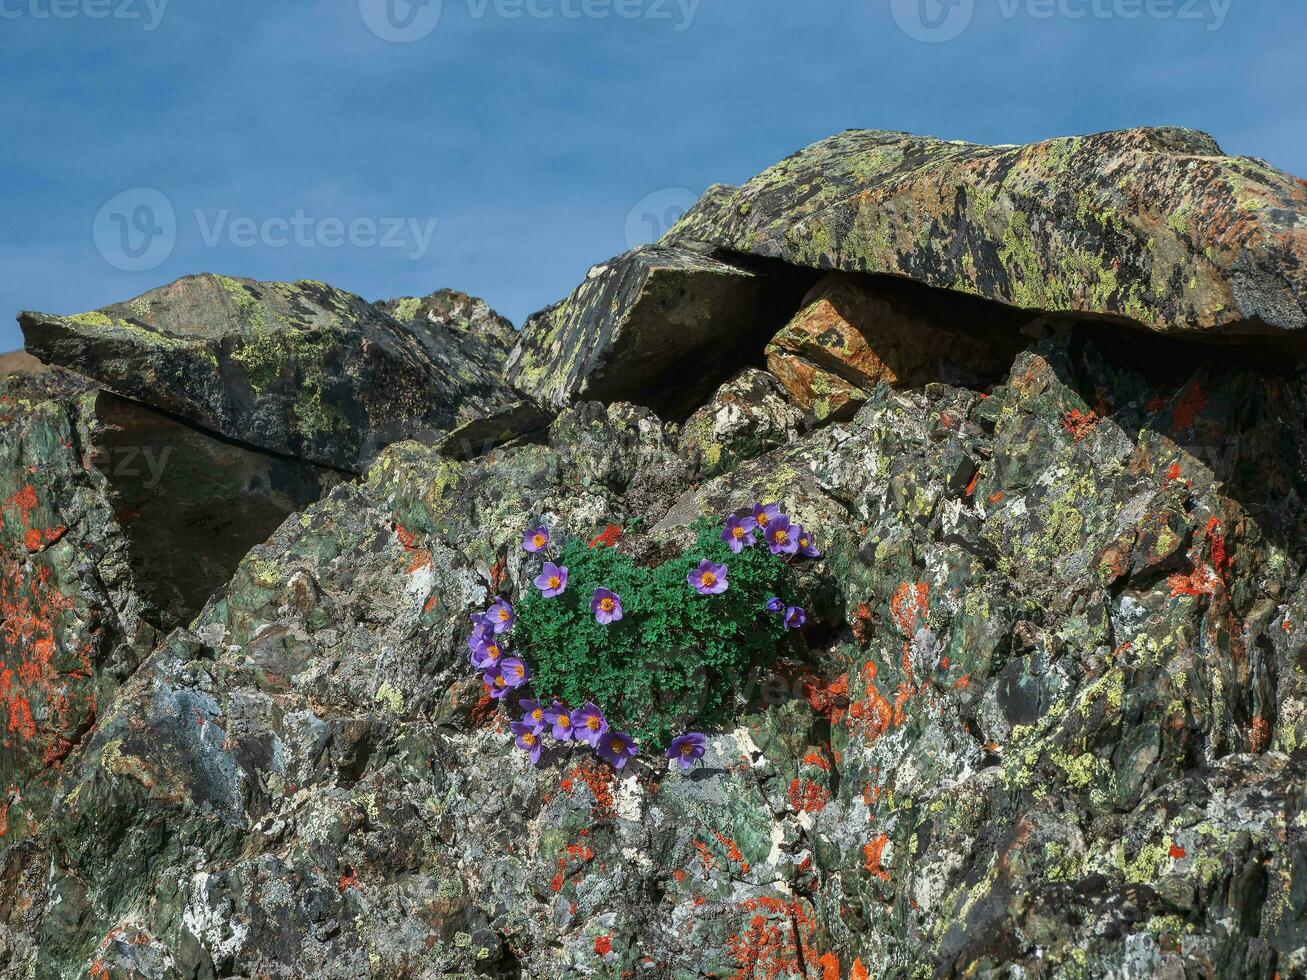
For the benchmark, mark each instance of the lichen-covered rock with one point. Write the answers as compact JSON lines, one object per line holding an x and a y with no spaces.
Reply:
{"x":1047,"y":717}
{"x":1157,"y":226}
{"x":117,"y":523}
{"x":660,"y":327}
{"x":852,"y":334}
{"x":302,"y":368}
{"x":748,"y":416}
{"x":483,"y":334}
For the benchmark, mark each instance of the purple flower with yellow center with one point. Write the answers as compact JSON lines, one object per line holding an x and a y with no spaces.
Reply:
{"x":795,"y":617}
{"x":536,"y":539}
{"x":560,"y":718}
{"x":739,"y":533}
{"x":486,"y":653}
{"x":607,"y":606}
{"x":552,"y":580}
{"x":500,"y":615}
{"x":514,"y":671}
{"x":687,"y":749}
{"x":781,"y":538}
{"x":589,"y":723}
{"x":493,"y":679}
{"x":709,"y":579}
{"x":528,"y":739}
{"x":775,"y":605}
{"x":616,"y":749}
{"x":764,"y":515}
{"x":806,"y":546}
{"x":533,"y":714}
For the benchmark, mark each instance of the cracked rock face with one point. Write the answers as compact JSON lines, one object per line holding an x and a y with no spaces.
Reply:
{"x":1048,"y":716}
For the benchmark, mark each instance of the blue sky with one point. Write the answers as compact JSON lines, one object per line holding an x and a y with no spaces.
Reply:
{"x":530,"y":131}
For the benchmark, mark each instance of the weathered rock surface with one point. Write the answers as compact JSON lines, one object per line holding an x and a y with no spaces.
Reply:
{"x":748,"y":416}
{"x":657,"y":326}
{"x":117,"y":523}
{"x":1048,"y":717}
{"x":854,"y":333}
{"x":1155,"y":225}
{"x":302,"y":369}
{"x":485,"y":335}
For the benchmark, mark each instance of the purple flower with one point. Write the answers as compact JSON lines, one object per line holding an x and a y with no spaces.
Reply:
{"x":558,"y":716}
{"x":590,"y":723}
{"x":709,"y":579}
{"x":775,"y":605}
{"x":781,"y":538}
{"x":764,"y":515}
{"x":687,"y":749}
{"x":528,"y":739}
{"x":807,"y":547}
{"x":536,"y":539}
{"x":739,"y":533}
{"x":607,"y":606}
{"x":514,"y":671}
{"x":485,"y":653}
{"x":552,"y":580}
{"x":533,"y":714}
{"x":795,"y":618}
{"x":616,"y":749}
{"x":500,"y":615}
{"x":493,"y":678}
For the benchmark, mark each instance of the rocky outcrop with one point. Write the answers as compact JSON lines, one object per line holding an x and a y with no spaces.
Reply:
{"x":1047,"y":715}
{"x":657,"y":326}
{"x":301,"y":369}
{"x":1155,"y":226}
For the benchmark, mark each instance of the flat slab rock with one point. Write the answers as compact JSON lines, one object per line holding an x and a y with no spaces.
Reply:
{"x":1155,"y":226}
{"x":302,"y":369}
{"x":661,"y":327}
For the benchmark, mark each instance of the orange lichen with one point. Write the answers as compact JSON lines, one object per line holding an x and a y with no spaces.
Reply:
{"x":603,"y":945}
{"x":807,"y":797}
{"x":1079,"y":424}
{"x":1260,"y":736}
{"x":608,"y":537}
{"x":1191,"y":403}
{"x":1176,"y":852}
{"x":910,"y":606}
{"x":872,"y":854}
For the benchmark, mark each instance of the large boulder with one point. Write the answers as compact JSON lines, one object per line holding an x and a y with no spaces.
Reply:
{"x":302,"y":368}
{"x":659,"y":327}
{"x":116,"y":525}
{"x":1158,"y":227}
